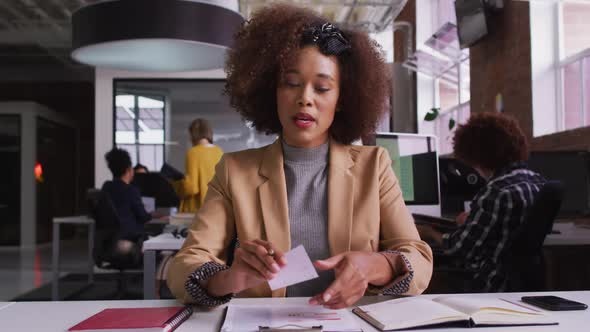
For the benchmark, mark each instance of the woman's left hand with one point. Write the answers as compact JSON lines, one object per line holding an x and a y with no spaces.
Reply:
{"x":355,"y":270}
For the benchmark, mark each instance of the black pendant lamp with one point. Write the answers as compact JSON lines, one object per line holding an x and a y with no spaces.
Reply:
{"x":154,"y":35}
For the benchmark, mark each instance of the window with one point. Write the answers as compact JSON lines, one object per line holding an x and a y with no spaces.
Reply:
{"x":140,"y":128}
{"x":574,"y":67}
{"x":452,"y":95}
{"x":576,"y":27}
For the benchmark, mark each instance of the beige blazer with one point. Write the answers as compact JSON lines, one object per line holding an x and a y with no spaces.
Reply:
{"x":247,"y":198}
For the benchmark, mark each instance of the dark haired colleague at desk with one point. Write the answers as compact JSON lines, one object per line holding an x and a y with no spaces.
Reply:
{"x":311,"y":188}
{"x":495,"y":146}
{"x":126,"y":200}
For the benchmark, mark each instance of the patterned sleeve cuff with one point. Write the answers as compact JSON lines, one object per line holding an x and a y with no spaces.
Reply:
{"x":198,"y":292}
{"x":403,"y":274}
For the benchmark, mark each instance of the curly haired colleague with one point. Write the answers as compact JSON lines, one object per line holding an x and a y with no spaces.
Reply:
{"x":293,"y":73}
{"x":495,"y":146}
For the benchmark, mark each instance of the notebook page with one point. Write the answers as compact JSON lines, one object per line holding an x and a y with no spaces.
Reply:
{"x":509,"y":318}
{"x":472,"y":304}
{"x":408,"y":312}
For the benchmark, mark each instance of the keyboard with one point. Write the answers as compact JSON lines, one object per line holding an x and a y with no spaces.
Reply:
{"x":444,"y":224}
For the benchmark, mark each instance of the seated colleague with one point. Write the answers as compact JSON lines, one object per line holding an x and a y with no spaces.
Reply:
{"x":200,"y":166}
{"x":125,"y":197}
{"x":495,"y":146}
{"x":320,"y":88}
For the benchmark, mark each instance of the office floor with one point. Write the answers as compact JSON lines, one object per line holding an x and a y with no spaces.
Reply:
{"x":22,"y":270}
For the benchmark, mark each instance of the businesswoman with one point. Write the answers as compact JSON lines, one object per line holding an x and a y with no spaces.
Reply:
{"x":294,"y":74}
{"x":200,"y":166}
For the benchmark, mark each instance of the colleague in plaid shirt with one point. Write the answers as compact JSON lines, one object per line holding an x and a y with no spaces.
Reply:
{"x":494,"y":145}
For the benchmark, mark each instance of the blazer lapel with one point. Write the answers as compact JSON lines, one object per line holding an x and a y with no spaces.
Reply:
{"x":273,"y":197}
{"x":340,"y":197}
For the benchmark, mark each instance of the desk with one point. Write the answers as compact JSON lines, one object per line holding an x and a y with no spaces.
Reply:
{"x":164,"y":241}
{"x":77,"y":220}
{"x":5,"y":304}
{"x":84,"y":220}
{"x":570,"y":235}
{"x":59,"y":316}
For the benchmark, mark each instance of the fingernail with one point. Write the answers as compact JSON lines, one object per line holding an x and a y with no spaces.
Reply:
{"x":313,"y":301}
{"x":326,"y":297}
{"x":275,"y":267}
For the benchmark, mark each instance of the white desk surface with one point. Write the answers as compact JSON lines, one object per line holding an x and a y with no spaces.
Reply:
{"x":164,"y":241}
{"x":59,"y":316}
{"x":570,"y":234}
{"x":5,"y":304}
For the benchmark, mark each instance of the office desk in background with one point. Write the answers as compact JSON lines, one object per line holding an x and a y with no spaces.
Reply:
{"x":164,"y":241}
{"x":79,"y":220}
{"x":59,"y":316}
{"x":569,"y":234}
{"x":74,"y":220}
{"x":566,"y":256}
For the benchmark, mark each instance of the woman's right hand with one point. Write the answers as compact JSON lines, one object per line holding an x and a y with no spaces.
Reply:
{"x":252,"y":265}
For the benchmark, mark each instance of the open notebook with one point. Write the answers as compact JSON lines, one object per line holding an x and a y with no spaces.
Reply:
{"x":471,"y":311}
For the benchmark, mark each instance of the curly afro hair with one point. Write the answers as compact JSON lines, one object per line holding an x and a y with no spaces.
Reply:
{"x":490,"y":140}
{"x":268,"y":43}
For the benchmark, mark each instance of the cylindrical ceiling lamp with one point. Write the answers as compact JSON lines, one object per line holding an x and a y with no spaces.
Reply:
{"x":154,"y":35}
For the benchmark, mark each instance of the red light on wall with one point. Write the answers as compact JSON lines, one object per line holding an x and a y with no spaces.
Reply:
{"x":38,"y":172}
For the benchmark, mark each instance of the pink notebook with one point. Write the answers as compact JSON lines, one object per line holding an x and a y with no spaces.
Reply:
{"x":135,"y":319}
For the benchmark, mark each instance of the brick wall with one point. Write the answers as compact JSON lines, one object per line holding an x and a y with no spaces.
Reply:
{"x":501,"y":64}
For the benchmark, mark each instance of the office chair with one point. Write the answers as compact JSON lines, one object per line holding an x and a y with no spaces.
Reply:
{"x":106,"y":252}
{"x":522,"y":260}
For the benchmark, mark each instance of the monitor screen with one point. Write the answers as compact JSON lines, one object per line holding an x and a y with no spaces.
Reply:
{"x":575,"y":177}
{"x":471,"y":21}
{"x":415,"y":164}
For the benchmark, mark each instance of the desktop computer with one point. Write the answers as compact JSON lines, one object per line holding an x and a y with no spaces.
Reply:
{"x":415,"y":164}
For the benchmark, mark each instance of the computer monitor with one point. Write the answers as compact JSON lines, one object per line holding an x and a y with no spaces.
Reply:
{"x":415,"y":163}
{"x":572,"y":168}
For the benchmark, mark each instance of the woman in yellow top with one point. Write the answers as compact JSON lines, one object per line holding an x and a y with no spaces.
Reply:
{"x":200,"y":166}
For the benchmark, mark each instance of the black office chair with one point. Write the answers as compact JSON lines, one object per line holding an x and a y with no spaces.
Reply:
{"x":106,"y":252}
{"x":523,"y":259}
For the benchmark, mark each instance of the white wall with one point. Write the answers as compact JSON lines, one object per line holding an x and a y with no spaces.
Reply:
{"x":544,"y":59}
{"x":104,"y":110}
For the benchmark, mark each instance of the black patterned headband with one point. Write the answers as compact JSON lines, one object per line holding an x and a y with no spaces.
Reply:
{"x":328,"y":38}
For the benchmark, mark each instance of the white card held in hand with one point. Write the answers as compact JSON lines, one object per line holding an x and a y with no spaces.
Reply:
{"x":298,"y":269}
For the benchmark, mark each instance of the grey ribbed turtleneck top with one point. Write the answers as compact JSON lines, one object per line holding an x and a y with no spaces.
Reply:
{"x":306,"y":174}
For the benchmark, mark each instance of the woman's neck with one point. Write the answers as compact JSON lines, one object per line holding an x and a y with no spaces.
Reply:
{"x":202,"y":141}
